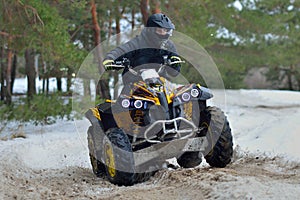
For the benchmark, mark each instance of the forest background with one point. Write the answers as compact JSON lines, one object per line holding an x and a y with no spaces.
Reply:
{"x":254,"y":43}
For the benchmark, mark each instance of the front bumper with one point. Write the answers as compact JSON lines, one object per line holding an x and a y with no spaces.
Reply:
{"x":158,"y":153}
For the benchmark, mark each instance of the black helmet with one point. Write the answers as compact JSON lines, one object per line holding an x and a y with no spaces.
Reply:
{"x":160,"y":20}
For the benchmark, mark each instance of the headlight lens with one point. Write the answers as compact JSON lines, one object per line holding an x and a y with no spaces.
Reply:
{"x":186,"y":96}
{"x":194,"y":92}
{"x":138,"y":104}
{"x":125,"y":103}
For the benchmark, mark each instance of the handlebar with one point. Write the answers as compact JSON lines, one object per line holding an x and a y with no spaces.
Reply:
{"x":126,"y":63}
{"x":115,"y":66}
{"x":176,"y":62}
{"x":119,"y":64}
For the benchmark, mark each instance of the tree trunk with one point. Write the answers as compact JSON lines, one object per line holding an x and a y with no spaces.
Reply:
{"x":133,"y":19}
{"x":58,"y":77}
{"x":155,"y":6}
{"x":118,"y":30}
{"x":43,"y":75}
{"x":2,"y":73}
{"x":115,"y":73}
{"x":102,"y":86}
{"x":103,"y":89}
{"x":43,"y":85}
{"x":59,"y":84}
{"x":167,"y":5}
{"x":110,"y":31}
{"x":97,"y":36}
{"x":290,"y":78}
{"x":69,"y":79}
{"x":144,"y":4}
{"x":96,"y":26}
{"x":30,"y":72}
{"x":47,"y":84}
{"x":8,"y":76}
{"x":13,"y":72}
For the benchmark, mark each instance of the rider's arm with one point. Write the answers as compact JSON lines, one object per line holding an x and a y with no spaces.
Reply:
{"x":174,"y":69}
{"x":123,"y":51}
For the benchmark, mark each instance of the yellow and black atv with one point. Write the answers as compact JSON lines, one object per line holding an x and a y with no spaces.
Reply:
{"x":153,"y":121}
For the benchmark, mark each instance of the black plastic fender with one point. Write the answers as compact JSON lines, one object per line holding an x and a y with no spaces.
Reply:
{"x":205,"y":93}
{"x":101,"y":114}
{"x":93,"y":115}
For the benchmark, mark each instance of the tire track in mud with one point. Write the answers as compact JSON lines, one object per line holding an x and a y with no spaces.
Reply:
{"x":247,"y":177}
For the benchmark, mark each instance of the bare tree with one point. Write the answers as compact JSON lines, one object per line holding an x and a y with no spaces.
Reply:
{"x":155,"y":6}
{"x":144,"y":5}
{"x":2,"y":73}
{"x":30,"y":72}
{"x":8,"y":76}
{"x":102,"y":87}
{"x":13,"y":71}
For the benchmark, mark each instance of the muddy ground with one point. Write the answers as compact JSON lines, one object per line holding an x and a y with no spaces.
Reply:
{"x":247,"y":177}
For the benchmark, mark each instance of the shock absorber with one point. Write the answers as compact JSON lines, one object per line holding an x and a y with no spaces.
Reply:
{"x":163,"y":102}
{"x":137,"y":121}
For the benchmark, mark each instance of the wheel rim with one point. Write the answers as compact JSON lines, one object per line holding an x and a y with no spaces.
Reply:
{"x":110,"y":160}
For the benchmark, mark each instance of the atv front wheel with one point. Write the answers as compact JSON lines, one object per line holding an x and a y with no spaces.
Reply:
{"x":118,"y":157}
{"x":219,"y":136}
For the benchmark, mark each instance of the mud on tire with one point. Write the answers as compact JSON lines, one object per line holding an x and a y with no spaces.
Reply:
{"x":97,"y":166}
{"x":118,"y":157}
{"x":189,"y":159}
{"x":142,"y":177}
{"x":219,"y":136}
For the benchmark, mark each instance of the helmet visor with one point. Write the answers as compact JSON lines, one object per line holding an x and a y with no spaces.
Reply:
{"x":164,"y":31}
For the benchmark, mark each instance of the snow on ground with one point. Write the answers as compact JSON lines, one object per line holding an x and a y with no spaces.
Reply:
{"x":20,"y":85}
{"x":265,"y":121}
{"x":52,"y":161}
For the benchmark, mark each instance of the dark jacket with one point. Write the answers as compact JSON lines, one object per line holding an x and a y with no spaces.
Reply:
{"x":147,"y":48}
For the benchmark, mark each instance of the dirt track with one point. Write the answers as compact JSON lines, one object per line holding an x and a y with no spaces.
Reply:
{"x":248,"y":177}
{"x":52,"y":162}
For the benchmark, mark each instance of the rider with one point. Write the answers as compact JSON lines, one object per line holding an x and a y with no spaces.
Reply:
{"x":152,"y":46}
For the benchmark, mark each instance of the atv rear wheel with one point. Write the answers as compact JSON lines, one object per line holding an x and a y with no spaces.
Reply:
{"x":97,"y":166}
{"x":219,"y":136}
{"x":118,"y":157}
{"x":189,"y":159}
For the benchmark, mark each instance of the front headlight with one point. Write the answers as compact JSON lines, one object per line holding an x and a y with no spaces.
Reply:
{"x":186,"y":96}
{"x":138,"y":104}
{"x":194,"y":92}
{"x":125,"y":103}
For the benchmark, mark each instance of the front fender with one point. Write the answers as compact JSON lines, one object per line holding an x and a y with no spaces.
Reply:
{"x":205,"y":93}
{"x":103,"y":115}
{"x":93,"y":115}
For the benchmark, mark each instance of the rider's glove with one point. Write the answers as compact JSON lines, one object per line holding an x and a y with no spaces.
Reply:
{"x":107,"y":64}
{"x":175,"y":59}
{"x":175,"y":67}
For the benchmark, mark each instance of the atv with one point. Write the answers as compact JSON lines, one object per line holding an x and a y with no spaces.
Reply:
{"x":153,"y":121}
